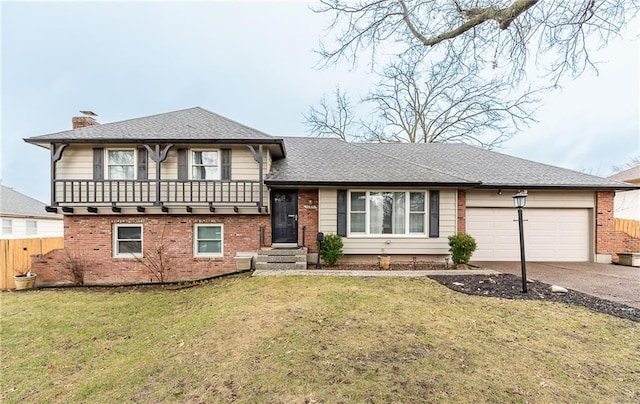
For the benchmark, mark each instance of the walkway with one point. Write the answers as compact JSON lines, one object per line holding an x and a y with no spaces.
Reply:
{"x":328,"y":272}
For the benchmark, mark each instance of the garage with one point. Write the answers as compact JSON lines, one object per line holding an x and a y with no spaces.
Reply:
{"x":550,"y":234}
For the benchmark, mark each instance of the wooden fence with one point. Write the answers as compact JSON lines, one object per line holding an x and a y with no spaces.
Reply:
{"x":631,"y":227}
{"x":15,"y":256}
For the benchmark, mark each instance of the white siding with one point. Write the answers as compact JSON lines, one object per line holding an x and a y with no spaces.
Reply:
{"x":45,"y":228}
{"x":386,"y":243}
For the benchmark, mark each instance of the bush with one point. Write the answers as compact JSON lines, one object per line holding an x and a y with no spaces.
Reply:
{"x":462,"y":247}
{"x":331,"y":250}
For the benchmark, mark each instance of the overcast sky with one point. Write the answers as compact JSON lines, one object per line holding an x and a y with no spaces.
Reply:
{"x":251,"y":62}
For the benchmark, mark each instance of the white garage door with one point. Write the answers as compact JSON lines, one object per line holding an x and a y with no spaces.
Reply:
{"x":550,"y":234}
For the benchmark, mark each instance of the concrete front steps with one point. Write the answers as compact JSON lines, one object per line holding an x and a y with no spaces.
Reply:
{"x":281,"y":258}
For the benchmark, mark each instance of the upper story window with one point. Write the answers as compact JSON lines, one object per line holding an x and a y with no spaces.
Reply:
{"x":121,"y":164}
{"x":7,"y":226}
{"x":386,"y":212}
{"x":32,"y":227}
{"x":204,"y":165}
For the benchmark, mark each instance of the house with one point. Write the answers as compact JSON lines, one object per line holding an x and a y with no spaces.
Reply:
{"x":25,"y":217}
{"x":203,"y":189}
{"x":627,"y":203}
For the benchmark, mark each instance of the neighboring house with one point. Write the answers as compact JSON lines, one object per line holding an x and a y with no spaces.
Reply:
{"x":627,"y":203}
{"x":206,"y":189}
{"x":25,"y":217}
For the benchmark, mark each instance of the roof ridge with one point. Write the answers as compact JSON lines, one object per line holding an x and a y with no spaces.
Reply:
{"x":418,"y":164}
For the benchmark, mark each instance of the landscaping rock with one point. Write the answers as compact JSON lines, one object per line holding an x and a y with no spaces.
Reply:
{"x":558,"y":289}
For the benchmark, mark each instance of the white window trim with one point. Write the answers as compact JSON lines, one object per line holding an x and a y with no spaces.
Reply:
{"x":195,"y":240}
{"x":114,"y":237}
{"x":190,"y":162}
{"x":407,"y":202}
{"x":9,"y":228}
{"x":107,"y":165}
{"x":27,"y":228}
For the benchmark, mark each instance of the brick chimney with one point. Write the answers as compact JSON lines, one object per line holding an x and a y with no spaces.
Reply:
{"x":83,"y":121}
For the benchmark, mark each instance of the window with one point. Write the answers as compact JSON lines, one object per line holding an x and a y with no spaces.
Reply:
{"x":358,"y":212}
{"x":121,"y":164}
{"x":208,"y":240}
{"x":416,"y":212}
{"x":204,"y":165}
{"x":127,"y":240}
{"x":32,"y":227}
{"x":386,"y":212}
{"x":7,"y":226}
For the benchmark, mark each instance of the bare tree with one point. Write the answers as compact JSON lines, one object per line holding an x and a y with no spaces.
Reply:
{"x":455,"y":70}
{"x":156,"y":258}
{"x":331,"y":120}
{"x":632,"y":162}
{"x":474,"y":34}
{"x":443,"y":105}
{"x":417,"y":102}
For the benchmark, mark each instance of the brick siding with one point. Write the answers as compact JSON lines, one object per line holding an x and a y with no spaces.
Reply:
{"x":608,"y":240}
{"x":462,"y":211}
{"x":308,"y":216}
{"x":90,"y":239}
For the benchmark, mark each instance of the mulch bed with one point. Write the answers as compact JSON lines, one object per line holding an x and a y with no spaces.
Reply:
{"x":507,"y":286}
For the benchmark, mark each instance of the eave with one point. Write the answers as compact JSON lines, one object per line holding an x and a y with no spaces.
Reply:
{"x":46,"y":143}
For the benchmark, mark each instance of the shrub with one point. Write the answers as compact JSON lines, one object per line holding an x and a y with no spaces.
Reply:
{"x":331,"y":250}
{"x":462,"y":247}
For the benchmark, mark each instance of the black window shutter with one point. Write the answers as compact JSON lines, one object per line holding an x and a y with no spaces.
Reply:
{"x":98,"y":164}
{"x":342,"y":213}
{"x":142,"y":164}
{"x":225,"y":160}
{"x":434,"y":213}
{"x":183,"y":165}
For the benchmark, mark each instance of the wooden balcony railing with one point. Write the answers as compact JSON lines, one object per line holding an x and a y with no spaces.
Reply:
{"x":157,"y":192}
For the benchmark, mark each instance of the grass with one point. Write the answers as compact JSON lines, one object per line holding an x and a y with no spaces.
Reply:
{"x":310,"y":339}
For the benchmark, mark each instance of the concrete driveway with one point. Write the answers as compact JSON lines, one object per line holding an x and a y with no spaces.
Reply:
{"x":612,"y":282}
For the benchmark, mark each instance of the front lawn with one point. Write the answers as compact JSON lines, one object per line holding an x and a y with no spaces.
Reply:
{"x":310,"y":339}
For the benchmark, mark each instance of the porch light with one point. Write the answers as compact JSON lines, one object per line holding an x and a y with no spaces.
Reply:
{"x":519,"y":201}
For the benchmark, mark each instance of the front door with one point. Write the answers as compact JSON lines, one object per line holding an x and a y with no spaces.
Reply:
{"x":284,"y":216}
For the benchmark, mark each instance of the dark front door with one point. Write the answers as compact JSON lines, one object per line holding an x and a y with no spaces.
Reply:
{"x":284,"y":216}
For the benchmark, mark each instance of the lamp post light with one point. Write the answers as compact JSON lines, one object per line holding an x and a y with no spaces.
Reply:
{"x":519,"y":201}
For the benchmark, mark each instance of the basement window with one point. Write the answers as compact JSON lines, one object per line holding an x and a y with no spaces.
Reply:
{"x":127,"y":240}
{"x":208,"y":240}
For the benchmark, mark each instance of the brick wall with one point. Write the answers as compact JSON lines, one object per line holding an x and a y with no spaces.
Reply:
{"x":462,"y":211}
{"x":308,"y":216}
{"x":605,"y":238}
{"x":82,"y":122}
{"x":90,"y":238}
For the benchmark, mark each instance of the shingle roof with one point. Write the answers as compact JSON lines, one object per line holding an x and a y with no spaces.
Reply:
{"x":631,"y":174}
{"x":191,"y":124}
{"x":322,"y":160}
{"x":13,"y":202}
{"x":326,"y":160}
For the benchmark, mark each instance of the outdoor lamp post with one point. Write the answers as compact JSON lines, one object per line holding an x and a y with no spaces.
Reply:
{"x":519,"y":200}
